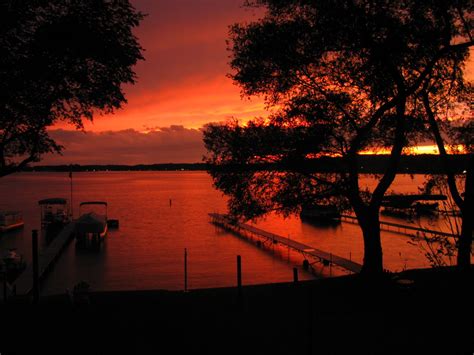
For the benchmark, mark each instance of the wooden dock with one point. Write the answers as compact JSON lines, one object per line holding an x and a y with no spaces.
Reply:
{"x":306,"y":250}
{"x":401,"y":228}
{"x":24,"y":283}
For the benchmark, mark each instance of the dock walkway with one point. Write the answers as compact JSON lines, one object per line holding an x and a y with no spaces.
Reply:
{"x":306,"y":250}
{"x":401,"y":228}
{"x":24,"y":283}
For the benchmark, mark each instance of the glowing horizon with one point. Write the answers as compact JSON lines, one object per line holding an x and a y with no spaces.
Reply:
{"x":420,"y":149}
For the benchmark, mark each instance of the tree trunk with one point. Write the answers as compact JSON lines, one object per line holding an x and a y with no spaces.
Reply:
{"x":373,"y":260}
{"x":465,"y":239}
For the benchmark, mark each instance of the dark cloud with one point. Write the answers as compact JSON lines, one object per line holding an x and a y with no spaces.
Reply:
{"x":175,"y":144}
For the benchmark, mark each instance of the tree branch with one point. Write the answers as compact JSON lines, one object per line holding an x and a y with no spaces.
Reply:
{"x":464,"y":22}
{"x":442,"y":151}
{"x":395,"y":155}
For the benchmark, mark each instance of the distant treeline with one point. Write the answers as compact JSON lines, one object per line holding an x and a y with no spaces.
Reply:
{"x":369,"y":164}
{"x":114,"y":167}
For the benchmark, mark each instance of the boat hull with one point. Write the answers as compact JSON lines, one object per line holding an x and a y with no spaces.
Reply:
{"x":7,"y":228}
{"x":321,"y":214}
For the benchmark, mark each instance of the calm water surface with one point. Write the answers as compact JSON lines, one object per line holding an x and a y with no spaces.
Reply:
{"x":146,"y":252}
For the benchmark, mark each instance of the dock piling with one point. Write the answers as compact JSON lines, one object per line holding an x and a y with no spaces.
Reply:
{"x":295,"y":275}
{"x":185,"y":270}
{"x":306,"y":264}
{"x":35,"y":258}
{"x":240,"y":297}
{"x":239,"y":273}
{"x":24,"y":284}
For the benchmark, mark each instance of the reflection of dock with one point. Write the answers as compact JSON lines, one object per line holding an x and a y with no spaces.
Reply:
{"x":401,"y":228}
{"x":24,"y":283}
{"x":306,"y":250}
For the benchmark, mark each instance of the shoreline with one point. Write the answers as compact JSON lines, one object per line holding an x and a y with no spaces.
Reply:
{"x":368,"y":164}
{"x":333,"y":315}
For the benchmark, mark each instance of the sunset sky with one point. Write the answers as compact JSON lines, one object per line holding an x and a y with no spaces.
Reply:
{"x":181,"y":86}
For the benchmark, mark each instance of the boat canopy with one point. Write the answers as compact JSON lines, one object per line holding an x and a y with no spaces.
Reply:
{"x":53,"y":201}
{"x":91,"y":223}
{"x":10,"y":217}
{"x":93,"y":203}
{"x":406,"y":201}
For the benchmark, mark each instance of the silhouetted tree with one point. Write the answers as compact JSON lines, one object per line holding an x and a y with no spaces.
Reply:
{"x":345,"y":76}
{"x":60,"y":60}
{"x":445,"y":95}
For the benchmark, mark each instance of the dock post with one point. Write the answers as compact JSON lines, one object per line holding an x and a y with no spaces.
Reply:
{"x":185,"y":270}
{"x":35,"y":266}
{"x":295,"y":275}
{"x":239,"y":273}
{"x":240,"y":298}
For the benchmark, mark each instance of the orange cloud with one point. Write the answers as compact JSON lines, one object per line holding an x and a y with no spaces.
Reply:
{"x":192,"y":104}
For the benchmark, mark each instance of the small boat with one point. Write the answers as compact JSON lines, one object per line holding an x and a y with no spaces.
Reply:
{"x":12,"y":263}
{"x":320,"y":213}
{"x":92,"y":223}
{"x":402,"y":213}
{"x":10,"y":220}
{"x":54,"y":210}
{"x":409,"y":206}
{"x":54,"y":216}
{"x":426,"y":209}
{"x":91,"y":226}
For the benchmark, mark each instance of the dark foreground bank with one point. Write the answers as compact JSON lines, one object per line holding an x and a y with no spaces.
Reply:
{"x":419,"y":311}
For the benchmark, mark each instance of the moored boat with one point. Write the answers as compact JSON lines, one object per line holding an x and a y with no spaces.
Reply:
{"x":54,"y":210}
{"x":92,"y":223}
{"x":321,"y":213}
{"x":55,"y":215}
{"x":12,"y":264}
{"x":10,"y":220}
{"x":91,"y":227}
{"x":426,"y":209}
{"x":409,"y":206}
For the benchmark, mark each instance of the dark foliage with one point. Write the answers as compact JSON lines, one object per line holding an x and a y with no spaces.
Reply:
{"x":346,"y":77}
{"x":60,"y":60}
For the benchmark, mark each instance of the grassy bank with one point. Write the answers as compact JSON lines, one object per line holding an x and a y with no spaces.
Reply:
{"x":430,"y":312}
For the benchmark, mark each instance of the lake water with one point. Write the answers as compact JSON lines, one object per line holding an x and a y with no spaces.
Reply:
{"x":146,"y":252}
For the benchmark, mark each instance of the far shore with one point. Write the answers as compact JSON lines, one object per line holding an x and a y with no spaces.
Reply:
{"x":368,"y":164}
